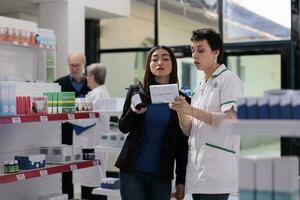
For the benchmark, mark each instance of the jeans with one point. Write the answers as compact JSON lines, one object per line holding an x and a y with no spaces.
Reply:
{"x":138,"y":185}
{"x":210,"y":196}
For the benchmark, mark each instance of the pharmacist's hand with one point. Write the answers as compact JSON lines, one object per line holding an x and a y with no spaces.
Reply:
{"x":179,"y":195}
{"x":140,"y":111}
{"x":180,"y":105}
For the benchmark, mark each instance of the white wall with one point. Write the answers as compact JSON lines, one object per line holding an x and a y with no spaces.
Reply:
{"x":115,"y":7}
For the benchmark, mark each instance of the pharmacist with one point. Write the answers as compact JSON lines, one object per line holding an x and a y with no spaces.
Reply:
{"x":91,"y":177}
{"x":212,"y":160}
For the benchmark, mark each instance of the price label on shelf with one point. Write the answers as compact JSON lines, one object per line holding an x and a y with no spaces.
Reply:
{"x":92,"y":115}
{"x":73,"y":167}
{"x":44,"y":118}
{"x":71,"y":116}
{"x":95,"y":162}
{"x":43,"y":172}
{"x":16,"y":120}
{"x":20,"y":177}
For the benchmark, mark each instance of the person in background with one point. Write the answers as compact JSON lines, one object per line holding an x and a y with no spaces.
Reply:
{"x":155,"y":140}
{"x":90,"y":178}
{"x":212,"y":172}
{"x":74,"y":82}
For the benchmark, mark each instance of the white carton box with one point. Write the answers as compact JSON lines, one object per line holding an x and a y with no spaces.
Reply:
{"x":61,"y":154}
{"x":246,"y":178}
{"x":12,"y":97}
{"x":4,"y":101}
{"x":46,"y":152}
{"x":264,"y":179}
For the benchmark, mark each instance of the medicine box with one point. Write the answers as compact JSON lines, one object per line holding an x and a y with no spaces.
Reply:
{"x":110,"y":183}
{"x":77,"y":153}
{"x":66,"y":102}
{"x":31,"y":161}
{"x":46,"y":152}
{"x":39,"y":105}
{"x":61,"y":154}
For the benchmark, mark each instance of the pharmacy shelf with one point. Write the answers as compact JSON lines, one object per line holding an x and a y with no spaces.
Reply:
{"x":107,"y":149}
{"x":25,"y":45}
{"x":107,"y":192}
{"x":285,"y":128}
{"x":47,"y":117}
{"x":46,"y":171}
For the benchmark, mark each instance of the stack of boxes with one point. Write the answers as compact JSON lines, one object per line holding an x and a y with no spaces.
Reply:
{"x":275,"y":104}
{"x":60,"y":102}
{"x":269,"y":178}
{"x":60,"y":154}
{"x":7,"y":98}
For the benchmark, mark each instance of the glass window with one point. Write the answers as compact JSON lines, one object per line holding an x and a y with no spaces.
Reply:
{"x":265,"y":70}
{"x":179,"y":17}
{"x":123,"y":69}
{"x":134,"y":31}
{"x":256,"y":20}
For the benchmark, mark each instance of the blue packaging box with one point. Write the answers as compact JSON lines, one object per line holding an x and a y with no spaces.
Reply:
{"x":110,"y":183}
{"x":241,"y":111}
{"x":251,"y":107}
{"x":286,"y":107}
{"x":274,"y":106}
{"x":296,"y":106}
{"x":263,"y":108}
{"x":33,"y":161}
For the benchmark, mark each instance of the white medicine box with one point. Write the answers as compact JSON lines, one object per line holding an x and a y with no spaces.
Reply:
{"x":46,"y":152}
{"x":61,"y":154}
{"x":77,"y":153}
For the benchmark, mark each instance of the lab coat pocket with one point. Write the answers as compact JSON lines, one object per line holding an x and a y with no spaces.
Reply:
{"x":221,"y":163}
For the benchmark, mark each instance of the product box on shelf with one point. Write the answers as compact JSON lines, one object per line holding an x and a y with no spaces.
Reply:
{"x":46,"y":152}
{"x":50,"y":101}
{"x":263,"y":107}
{"x":81,"y":104}
{"x":112,"y":139}
{"x":12,"y":97}
{"x":61,"y":154}
{"x":46,"y":37}
{"x":31,"y":161}
{"x":251,"y":107}
{"x":77,"y":153}
{"x":66,"y":102}
{"x":110,"y":183}
{"x":39,"y":105}
{"x":296,"y":105}
{"x":4,"y":100}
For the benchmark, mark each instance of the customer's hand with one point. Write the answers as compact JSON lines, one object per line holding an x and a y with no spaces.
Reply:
{"x":179,"y":195}
{"x":180,"y":105}
{"x":140,"y":111}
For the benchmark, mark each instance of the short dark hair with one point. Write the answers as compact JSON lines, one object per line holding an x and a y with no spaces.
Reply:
{"x":213,"y":38}
{"x":149,"y":77}
{"x":99,"y":72}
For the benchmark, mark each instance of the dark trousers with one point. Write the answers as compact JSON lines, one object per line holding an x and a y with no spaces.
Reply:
{"x":210,"y":196}
{"x":86,"y":193}
{"x":67,"y":178}
{"x":144,"y":186}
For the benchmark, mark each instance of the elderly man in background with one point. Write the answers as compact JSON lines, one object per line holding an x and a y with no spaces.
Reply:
{"x":73,"y":82}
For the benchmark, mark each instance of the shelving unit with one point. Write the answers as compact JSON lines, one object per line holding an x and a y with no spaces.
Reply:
{"x":285,"y":128}
{"x":47,"y":117}
{"x":46,"y":171}
{"x":25,"y":45}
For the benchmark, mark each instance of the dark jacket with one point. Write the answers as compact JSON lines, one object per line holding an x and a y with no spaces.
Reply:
{"x":66,"y":86}
{"x":175,"y":142}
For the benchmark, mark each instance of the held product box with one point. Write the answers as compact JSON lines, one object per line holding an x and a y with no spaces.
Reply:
{"x":31,"y":161}
{"x":39,"y":105}
{"x":46,"y":152}
{"x":61,"y":154}
{"x":165,"y":93}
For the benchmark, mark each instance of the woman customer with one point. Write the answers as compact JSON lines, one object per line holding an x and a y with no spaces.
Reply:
{"x":212,"y":159}
{"x":155,"y":140}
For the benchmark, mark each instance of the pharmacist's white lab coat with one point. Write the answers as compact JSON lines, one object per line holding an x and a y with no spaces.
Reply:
{"x":91,"y":177}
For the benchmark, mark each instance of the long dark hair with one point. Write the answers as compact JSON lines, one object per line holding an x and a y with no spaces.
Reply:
{"x":149,"y":77}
